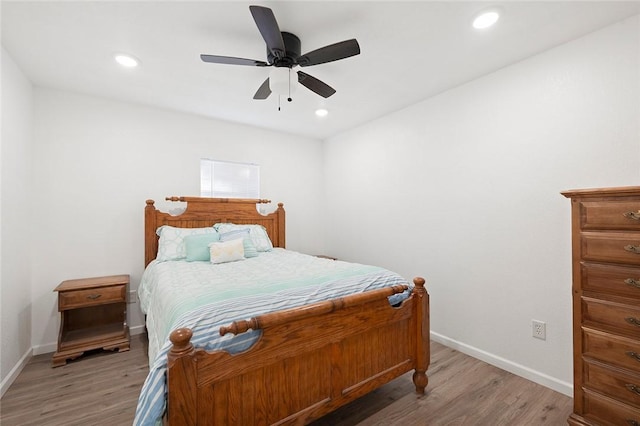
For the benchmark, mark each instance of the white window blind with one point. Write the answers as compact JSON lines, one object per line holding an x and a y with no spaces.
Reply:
{"x":226,"y":179}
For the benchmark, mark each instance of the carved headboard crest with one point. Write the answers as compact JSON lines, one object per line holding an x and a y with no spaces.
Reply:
{"x":202,"y":212}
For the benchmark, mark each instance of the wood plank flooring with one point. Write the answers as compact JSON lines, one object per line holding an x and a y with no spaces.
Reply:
{"x":102,"y":389}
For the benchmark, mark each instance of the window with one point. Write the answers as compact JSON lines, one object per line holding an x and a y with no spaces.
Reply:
{"x":226,"y":179}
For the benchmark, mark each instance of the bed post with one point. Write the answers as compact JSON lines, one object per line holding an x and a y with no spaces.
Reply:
{"x":150,"y":237}
{"x":281,"y":233}
{"x":423,"y":352}
{"x":181,"y":378}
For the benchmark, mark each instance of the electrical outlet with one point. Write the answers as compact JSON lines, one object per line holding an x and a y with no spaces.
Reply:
{"x":132,"y":296}
{"x":539,"y":329}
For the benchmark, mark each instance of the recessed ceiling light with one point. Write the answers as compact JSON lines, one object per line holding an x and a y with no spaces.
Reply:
{"x":486,"y":19}
{"x":127,"y":61}
{"x":321,"y":112}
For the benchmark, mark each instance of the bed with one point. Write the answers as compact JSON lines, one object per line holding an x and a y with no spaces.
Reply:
{"x":290,"y":363}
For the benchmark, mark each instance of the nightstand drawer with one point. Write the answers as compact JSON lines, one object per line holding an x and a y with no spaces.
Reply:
{"x":91,"y":297}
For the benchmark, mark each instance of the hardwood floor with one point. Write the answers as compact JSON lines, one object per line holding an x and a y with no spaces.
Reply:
{"x":102,"y":389}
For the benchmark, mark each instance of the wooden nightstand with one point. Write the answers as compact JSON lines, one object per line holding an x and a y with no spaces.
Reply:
{"x":93,"y":315}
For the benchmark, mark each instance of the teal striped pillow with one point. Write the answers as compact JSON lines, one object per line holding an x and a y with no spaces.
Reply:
{"x":258,"y":234}
{"x":249,"y":248}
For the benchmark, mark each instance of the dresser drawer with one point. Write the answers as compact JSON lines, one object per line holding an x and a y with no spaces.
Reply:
{"x":611,"y":279}
{"x":91,"y":297}
{"x":619,"y":247}
{"x":607,"y":411}
{"x":610,"y":314}
{"x":611,"y":349}
{"x":614,"y":383}
{"x":610,"y":215}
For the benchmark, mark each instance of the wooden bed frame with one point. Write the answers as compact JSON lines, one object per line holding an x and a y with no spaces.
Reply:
{"x":308,"y":361}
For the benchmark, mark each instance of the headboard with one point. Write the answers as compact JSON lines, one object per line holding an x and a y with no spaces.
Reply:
{"x":202,"y":212}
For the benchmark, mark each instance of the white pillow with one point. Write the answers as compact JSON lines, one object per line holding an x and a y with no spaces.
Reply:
{"x":258,"y":234}
{"x":171,"y":244}
{"x":226,"y":251}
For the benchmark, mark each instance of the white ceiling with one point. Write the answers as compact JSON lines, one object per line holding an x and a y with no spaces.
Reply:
{"x":410,"y":51}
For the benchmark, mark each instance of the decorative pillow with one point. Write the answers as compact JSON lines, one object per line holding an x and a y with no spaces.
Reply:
{"x":226,"y":251}
{"x":258,"y":234}
{"x":171,"y":243}
{"x":234,"y":234}
{"x":249,"y":248}
{"x":197,"y":246}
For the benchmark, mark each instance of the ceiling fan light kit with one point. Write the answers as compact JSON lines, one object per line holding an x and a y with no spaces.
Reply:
{"x":280,"y":81}
{"x":283,"y":53}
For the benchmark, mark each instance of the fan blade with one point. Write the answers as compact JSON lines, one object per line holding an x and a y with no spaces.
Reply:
{"x":268,"y":26}
{"x":263,"y":91}
{"x":232,"y":61}
{"x":315,"y":85}
{"x":333,"y":52}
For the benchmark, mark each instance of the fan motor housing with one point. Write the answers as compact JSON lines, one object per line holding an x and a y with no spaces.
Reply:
{"x":292,"y":51}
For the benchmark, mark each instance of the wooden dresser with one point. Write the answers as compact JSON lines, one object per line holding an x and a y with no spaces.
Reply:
{"x":606,"y":305}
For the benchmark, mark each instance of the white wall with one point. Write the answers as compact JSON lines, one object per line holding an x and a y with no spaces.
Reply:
{"x":464,"y":189}
{"x":16,"y":194}
{"x":97,"y":161}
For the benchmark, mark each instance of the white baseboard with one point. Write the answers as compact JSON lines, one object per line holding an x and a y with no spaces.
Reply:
{"x":15,"y":371}
{"x":44,"y":349}
{"x":510,"y":366}
{"x":138,"y":329}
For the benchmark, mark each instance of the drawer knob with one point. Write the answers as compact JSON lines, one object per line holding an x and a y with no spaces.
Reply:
{"x":94,"y":296}
{"x":632,"y":215}
{"x":632,"y":282}
{"x":632,"y":249}
{"x":633,"y":355}
{"x":633,"y":388}
{"x":633,"y":321}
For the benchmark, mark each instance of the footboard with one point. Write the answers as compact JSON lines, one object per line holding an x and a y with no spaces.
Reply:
{"x":308,"y":361}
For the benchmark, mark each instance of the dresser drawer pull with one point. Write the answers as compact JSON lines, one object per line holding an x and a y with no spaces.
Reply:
{"x":632,"y":249}
{"x":632,"y":215}
{"x":633,"y":321}
{"x":633,"y":388}
{"x":634,"y":355}
{"x":632,"y":282}
{"x":94,"y":296}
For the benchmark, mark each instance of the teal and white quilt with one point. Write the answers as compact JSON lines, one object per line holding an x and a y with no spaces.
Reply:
{"x":203,"y":297}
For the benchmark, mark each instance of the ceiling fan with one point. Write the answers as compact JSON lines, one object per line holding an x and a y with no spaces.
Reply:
{"x":283,"y":53}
